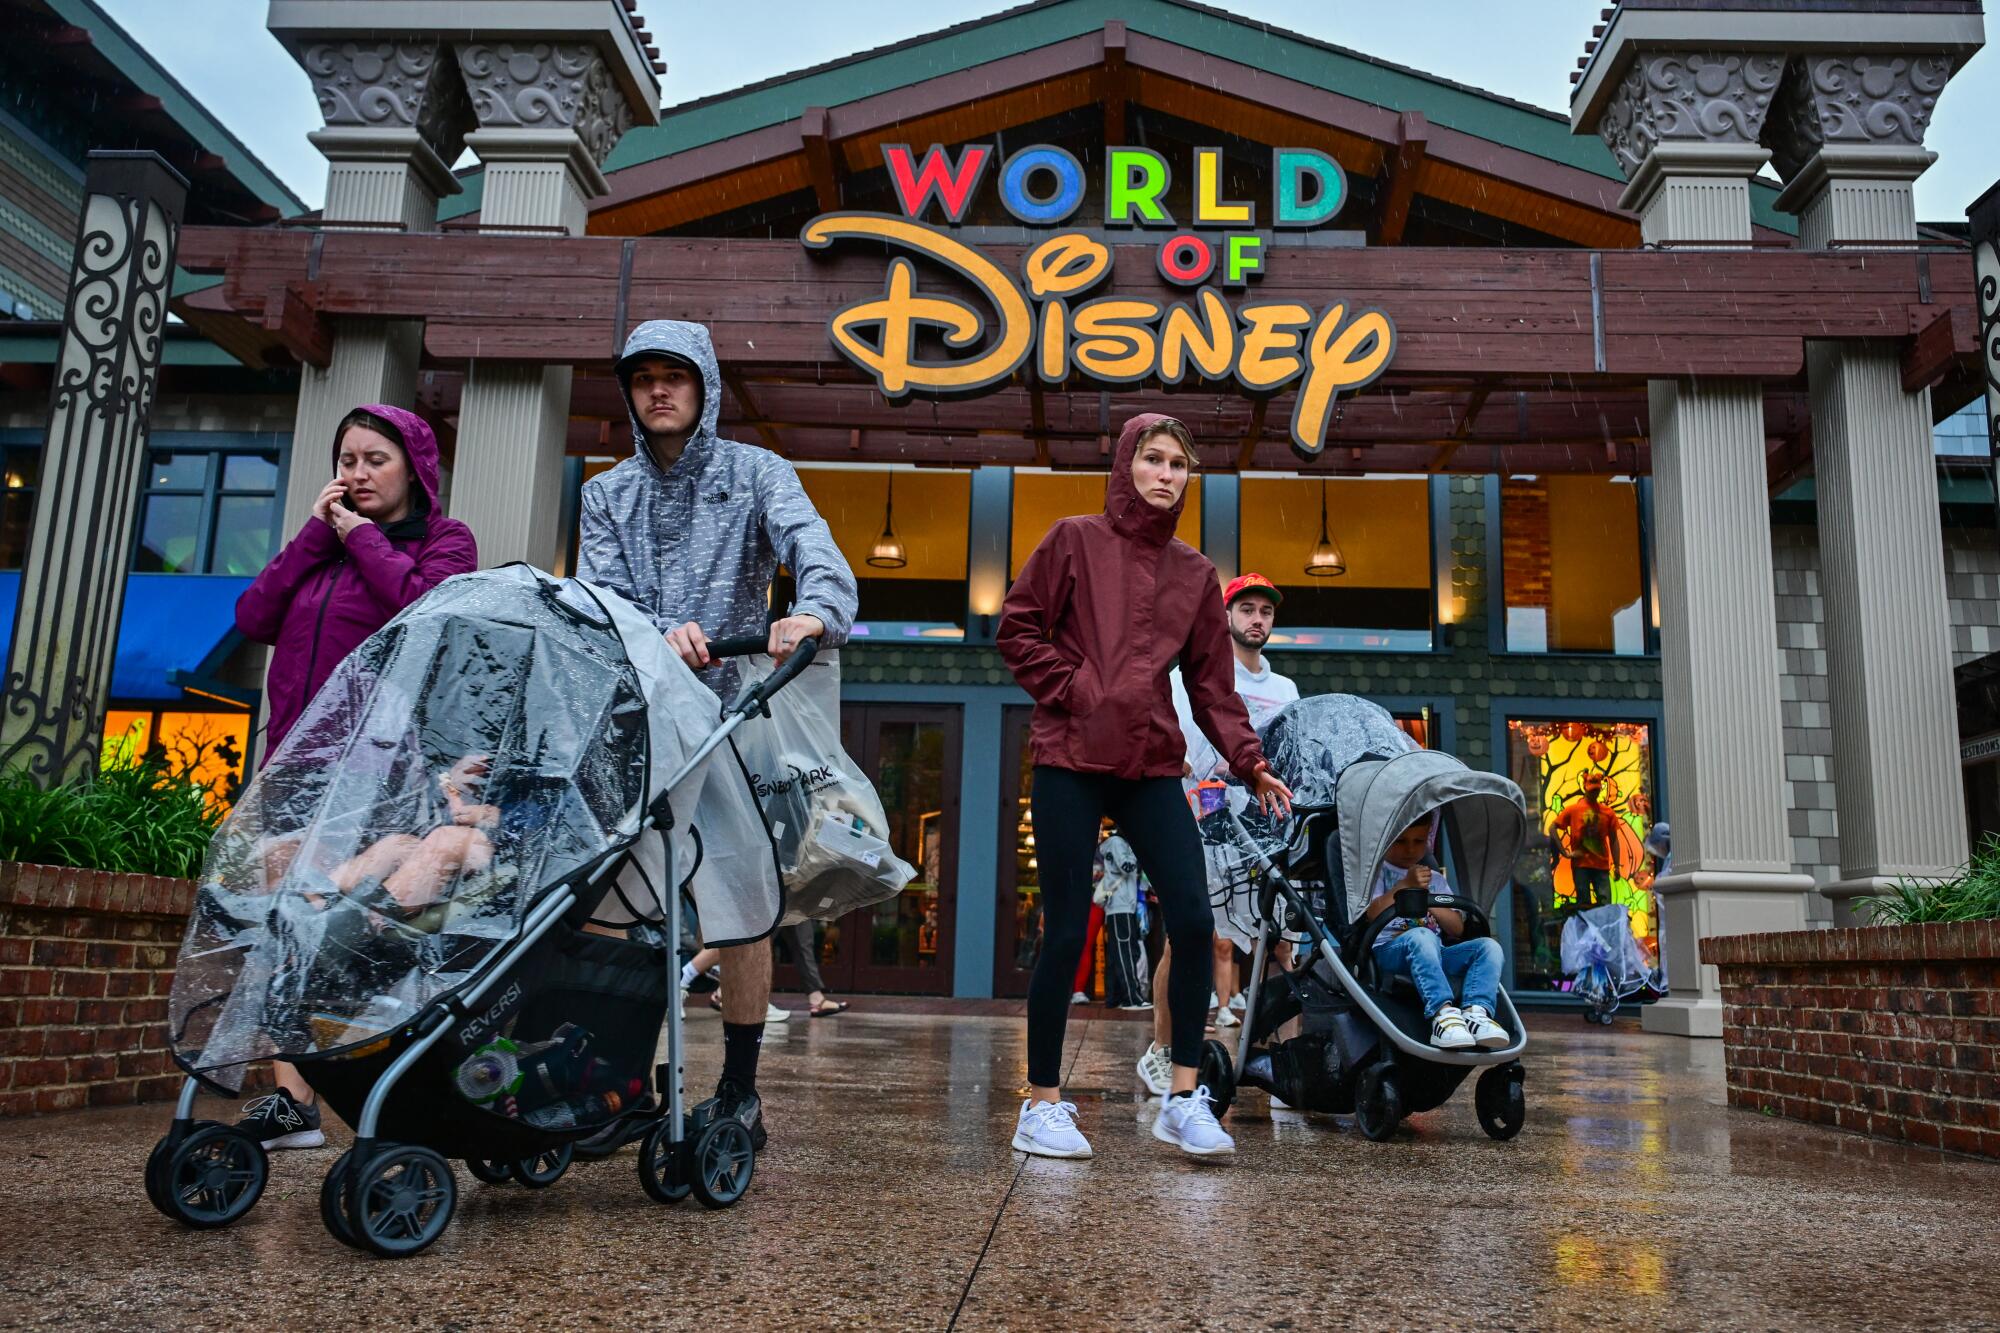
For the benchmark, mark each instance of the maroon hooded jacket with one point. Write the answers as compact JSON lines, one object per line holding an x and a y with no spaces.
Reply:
{"x":1102,"y":611}
{"x":321,"y":596}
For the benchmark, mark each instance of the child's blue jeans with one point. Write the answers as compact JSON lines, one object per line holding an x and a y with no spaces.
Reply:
{"x":1432,"y":965}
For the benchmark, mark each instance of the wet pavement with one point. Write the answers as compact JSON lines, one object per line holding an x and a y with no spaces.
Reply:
{"x":888,"y":1198}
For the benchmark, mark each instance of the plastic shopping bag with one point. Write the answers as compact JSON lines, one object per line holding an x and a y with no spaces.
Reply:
{"x":830,"y":827}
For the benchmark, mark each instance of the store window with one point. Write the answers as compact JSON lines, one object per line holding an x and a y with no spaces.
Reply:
{"x":208,"y":511}
{"x":1040,"y":498}
{"x":1590,"y":791}
{"x":1572,"y":561}
{"x":21,"y":467}
{"x":1373,"y":585}
{"x":904,"y":534}
{"x":208,"y":747}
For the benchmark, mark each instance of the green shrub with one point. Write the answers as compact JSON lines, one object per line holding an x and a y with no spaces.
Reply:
{"x":1971,"y":895}
{"x":139,"y":818}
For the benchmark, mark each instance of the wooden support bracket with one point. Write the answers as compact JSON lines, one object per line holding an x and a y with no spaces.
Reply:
{"x":1399,"y":187}
{"x":1933,"y":344}
{"x":292,"y":313}
{"x":821,"y":162}
{"x":741,"y":392}
{"x":1247,"y":449}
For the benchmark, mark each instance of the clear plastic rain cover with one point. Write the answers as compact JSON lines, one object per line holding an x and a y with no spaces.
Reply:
{"x":489,"y":741}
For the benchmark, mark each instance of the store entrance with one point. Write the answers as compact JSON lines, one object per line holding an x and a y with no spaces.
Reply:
{"x":902,"y":946}
{"x":1017,"y":937}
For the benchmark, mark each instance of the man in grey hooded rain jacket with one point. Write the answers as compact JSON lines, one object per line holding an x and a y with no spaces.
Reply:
{"x":691,"y":529}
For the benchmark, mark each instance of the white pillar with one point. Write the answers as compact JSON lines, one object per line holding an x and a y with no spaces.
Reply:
{"x":1897,"y":779}
{"x":1718,"y":627}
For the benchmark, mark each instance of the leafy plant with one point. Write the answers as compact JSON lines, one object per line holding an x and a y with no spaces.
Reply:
{"x":1971,"y":895}
{"x":146,"y":817}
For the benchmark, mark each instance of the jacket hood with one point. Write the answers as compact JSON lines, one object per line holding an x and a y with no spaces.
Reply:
{"x":1128,"y":510}
{"x":420,"y":446}
{"x":690,"y":342}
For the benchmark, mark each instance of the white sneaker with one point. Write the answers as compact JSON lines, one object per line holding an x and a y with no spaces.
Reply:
{"x":1448,"y":1030}
{"x":1135,"y":1008}
{"x":1189,"y":1124}
{"x":1238,"y":1001}
{"x":1224,"y":1018}
{"x":1489,"y":1034}
{"x":1214,"y":1000}
{"x":773,"y":1014}
{"x":1079,"y":998}
{"x":1048,"y":1129}
{"x":1156,"y":1070}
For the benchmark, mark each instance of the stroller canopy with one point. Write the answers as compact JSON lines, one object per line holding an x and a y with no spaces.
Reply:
{"x":1313,"y":741}
{"x":1484,"y":814}
{"x":502,"y":734}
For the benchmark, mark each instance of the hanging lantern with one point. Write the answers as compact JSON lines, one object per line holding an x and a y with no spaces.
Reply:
{"x":1326,"y":561}
{"x":1599,"y":752}
{"x":1572,"y":732}
{"x":889,"y":552}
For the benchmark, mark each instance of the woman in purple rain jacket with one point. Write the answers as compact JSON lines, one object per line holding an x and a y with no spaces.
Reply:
{"x":375,"y":543}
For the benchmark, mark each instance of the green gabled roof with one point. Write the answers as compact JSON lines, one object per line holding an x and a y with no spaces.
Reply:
{"x":146,"y":74}
{"x":1456,"y":106}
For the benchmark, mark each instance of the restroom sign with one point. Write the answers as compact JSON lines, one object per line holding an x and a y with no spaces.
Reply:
{"x":1054,"y":315}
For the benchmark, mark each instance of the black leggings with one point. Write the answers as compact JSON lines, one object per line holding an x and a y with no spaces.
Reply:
{"x":1153,"y":815}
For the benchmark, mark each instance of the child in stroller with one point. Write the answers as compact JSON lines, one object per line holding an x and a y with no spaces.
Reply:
{"x":1419,"y":949}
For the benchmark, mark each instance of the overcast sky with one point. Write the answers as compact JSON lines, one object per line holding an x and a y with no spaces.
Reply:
{"x":1521,"y":48}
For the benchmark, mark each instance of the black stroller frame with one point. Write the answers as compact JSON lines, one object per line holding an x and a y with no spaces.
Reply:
{"x":1372,"y":1065}
{"x":395,"y":1199}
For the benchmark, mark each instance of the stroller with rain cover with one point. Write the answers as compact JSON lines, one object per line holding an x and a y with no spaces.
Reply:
{"x":397,"y":906}
{"x":1357,"y":782}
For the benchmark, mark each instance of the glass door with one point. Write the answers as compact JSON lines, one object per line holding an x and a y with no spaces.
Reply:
{"x":1018,"y":929}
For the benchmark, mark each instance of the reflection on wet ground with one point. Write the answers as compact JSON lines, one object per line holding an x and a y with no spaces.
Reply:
{"x":889,"y":1199}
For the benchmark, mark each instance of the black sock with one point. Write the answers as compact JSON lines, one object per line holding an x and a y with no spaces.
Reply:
{"x":740,"y":1044}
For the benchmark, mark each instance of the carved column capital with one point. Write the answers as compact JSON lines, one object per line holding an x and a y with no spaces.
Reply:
{"x":1868,"y":100}
{"x":547,"y":86}
{"x":405,"y":84}
{"x":1692,"y":97}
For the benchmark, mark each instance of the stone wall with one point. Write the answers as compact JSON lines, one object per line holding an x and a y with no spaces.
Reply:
{"x":1892,"y":1031}
{"x":86,"y":962}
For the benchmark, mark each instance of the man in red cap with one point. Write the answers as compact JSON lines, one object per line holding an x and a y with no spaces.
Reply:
{"x":1252,"y":603}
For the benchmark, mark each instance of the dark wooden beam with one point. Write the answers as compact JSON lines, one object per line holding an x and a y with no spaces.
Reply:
{"x":1038,"y":418}
{"x":1399,"y":185}
{"x":765,"y":432}
{"x":1458,"y":437}
{"x":290,"y":313}
{"x":1931,"y":350}
{"x":821,"y":161}
{"x":1247,"y":448}
{"x":1116,"y":83}
{"x":136,"y":103}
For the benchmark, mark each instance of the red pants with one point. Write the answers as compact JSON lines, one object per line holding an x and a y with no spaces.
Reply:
{"x":1090,"y":934}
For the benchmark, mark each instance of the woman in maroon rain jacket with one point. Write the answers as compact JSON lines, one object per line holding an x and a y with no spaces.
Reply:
{"x":375,"y":543}
{"x":1102,"y":611}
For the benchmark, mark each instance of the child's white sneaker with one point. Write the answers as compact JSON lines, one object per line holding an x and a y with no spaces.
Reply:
{"x":1048,"y":1129}
{"x":1189,"y":1124}
{"x":1156,"y":1070}
{"x":1225,"y":1017}
{"x":1487,"y":1033}
{"x":1448,"y":1030}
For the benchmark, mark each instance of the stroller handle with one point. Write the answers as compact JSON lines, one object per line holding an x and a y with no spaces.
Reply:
{"x":754,"y":695}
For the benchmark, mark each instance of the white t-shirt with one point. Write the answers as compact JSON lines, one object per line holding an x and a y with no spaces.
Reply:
{"x":1264,"y":693}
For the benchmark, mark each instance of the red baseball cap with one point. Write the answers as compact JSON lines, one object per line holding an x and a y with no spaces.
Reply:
{"x":1243,"y":583}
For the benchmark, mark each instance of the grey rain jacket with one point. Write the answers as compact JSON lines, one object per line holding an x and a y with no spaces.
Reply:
{"x":701,"y":540}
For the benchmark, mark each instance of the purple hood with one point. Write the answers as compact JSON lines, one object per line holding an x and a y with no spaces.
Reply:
{"x":321,"y":597}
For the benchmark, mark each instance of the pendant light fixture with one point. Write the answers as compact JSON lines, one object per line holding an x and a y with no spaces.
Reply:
{"x":1326,"y":560}
{"x":889,"y":552}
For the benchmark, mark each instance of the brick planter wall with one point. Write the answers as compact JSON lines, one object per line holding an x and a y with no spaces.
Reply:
{"x":1892,"y":1031}
{"x":86,"y":961}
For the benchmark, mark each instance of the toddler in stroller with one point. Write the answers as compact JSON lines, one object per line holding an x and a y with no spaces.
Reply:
{"x":1364,"y":1047}
{"x":1418,"y":949}
{"x":399,"y":906}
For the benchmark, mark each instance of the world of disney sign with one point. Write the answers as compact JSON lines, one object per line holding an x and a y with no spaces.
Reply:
{"x":1262,"y":345}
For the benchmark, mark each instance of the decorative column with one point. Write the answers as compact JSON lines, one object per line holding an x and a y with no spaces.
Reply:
{"x":549,"y":114}
{"x":1984,"y":217}
{"x":1683,"y":125}
{"x":1847,"y":134}
{"x":73,"y":576}
{"x":396,"y":114}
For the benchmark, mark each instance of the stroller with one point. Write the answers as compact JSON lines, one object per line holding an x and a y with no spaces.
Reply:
{"x":1607,"y":964}
{"x":396,"y":906}
{"x":1364,"y":1046}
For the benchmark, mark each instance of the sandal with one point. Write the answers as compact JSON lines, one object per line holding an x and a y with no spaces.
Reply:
{"x":829,"y":1009}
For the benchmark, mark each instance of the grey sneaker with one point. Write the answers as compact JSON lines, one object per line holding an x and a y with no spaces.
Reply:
{"x":1156,"y":1070}
{"x":278,"y":1121}
{"x":1048,"y":1129}
{"x":1189,"y":1124}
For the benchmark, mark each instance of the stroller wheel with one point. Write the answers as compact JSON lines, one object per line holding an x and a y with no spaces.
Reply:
{"x":724,"y":1161}
{"x":1217,"y":1074}
{"x":544,"y":1168}
{"x":332,"y":1206}
{"x":156,"y":1173}
{"x":490,"y":1171}
{"x":1498,"y":1099}
{"x":663,"y":1166}
{"x":400,"y":1199}
{"x":1378,"y":1101}
{"x":210,"y":1178}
